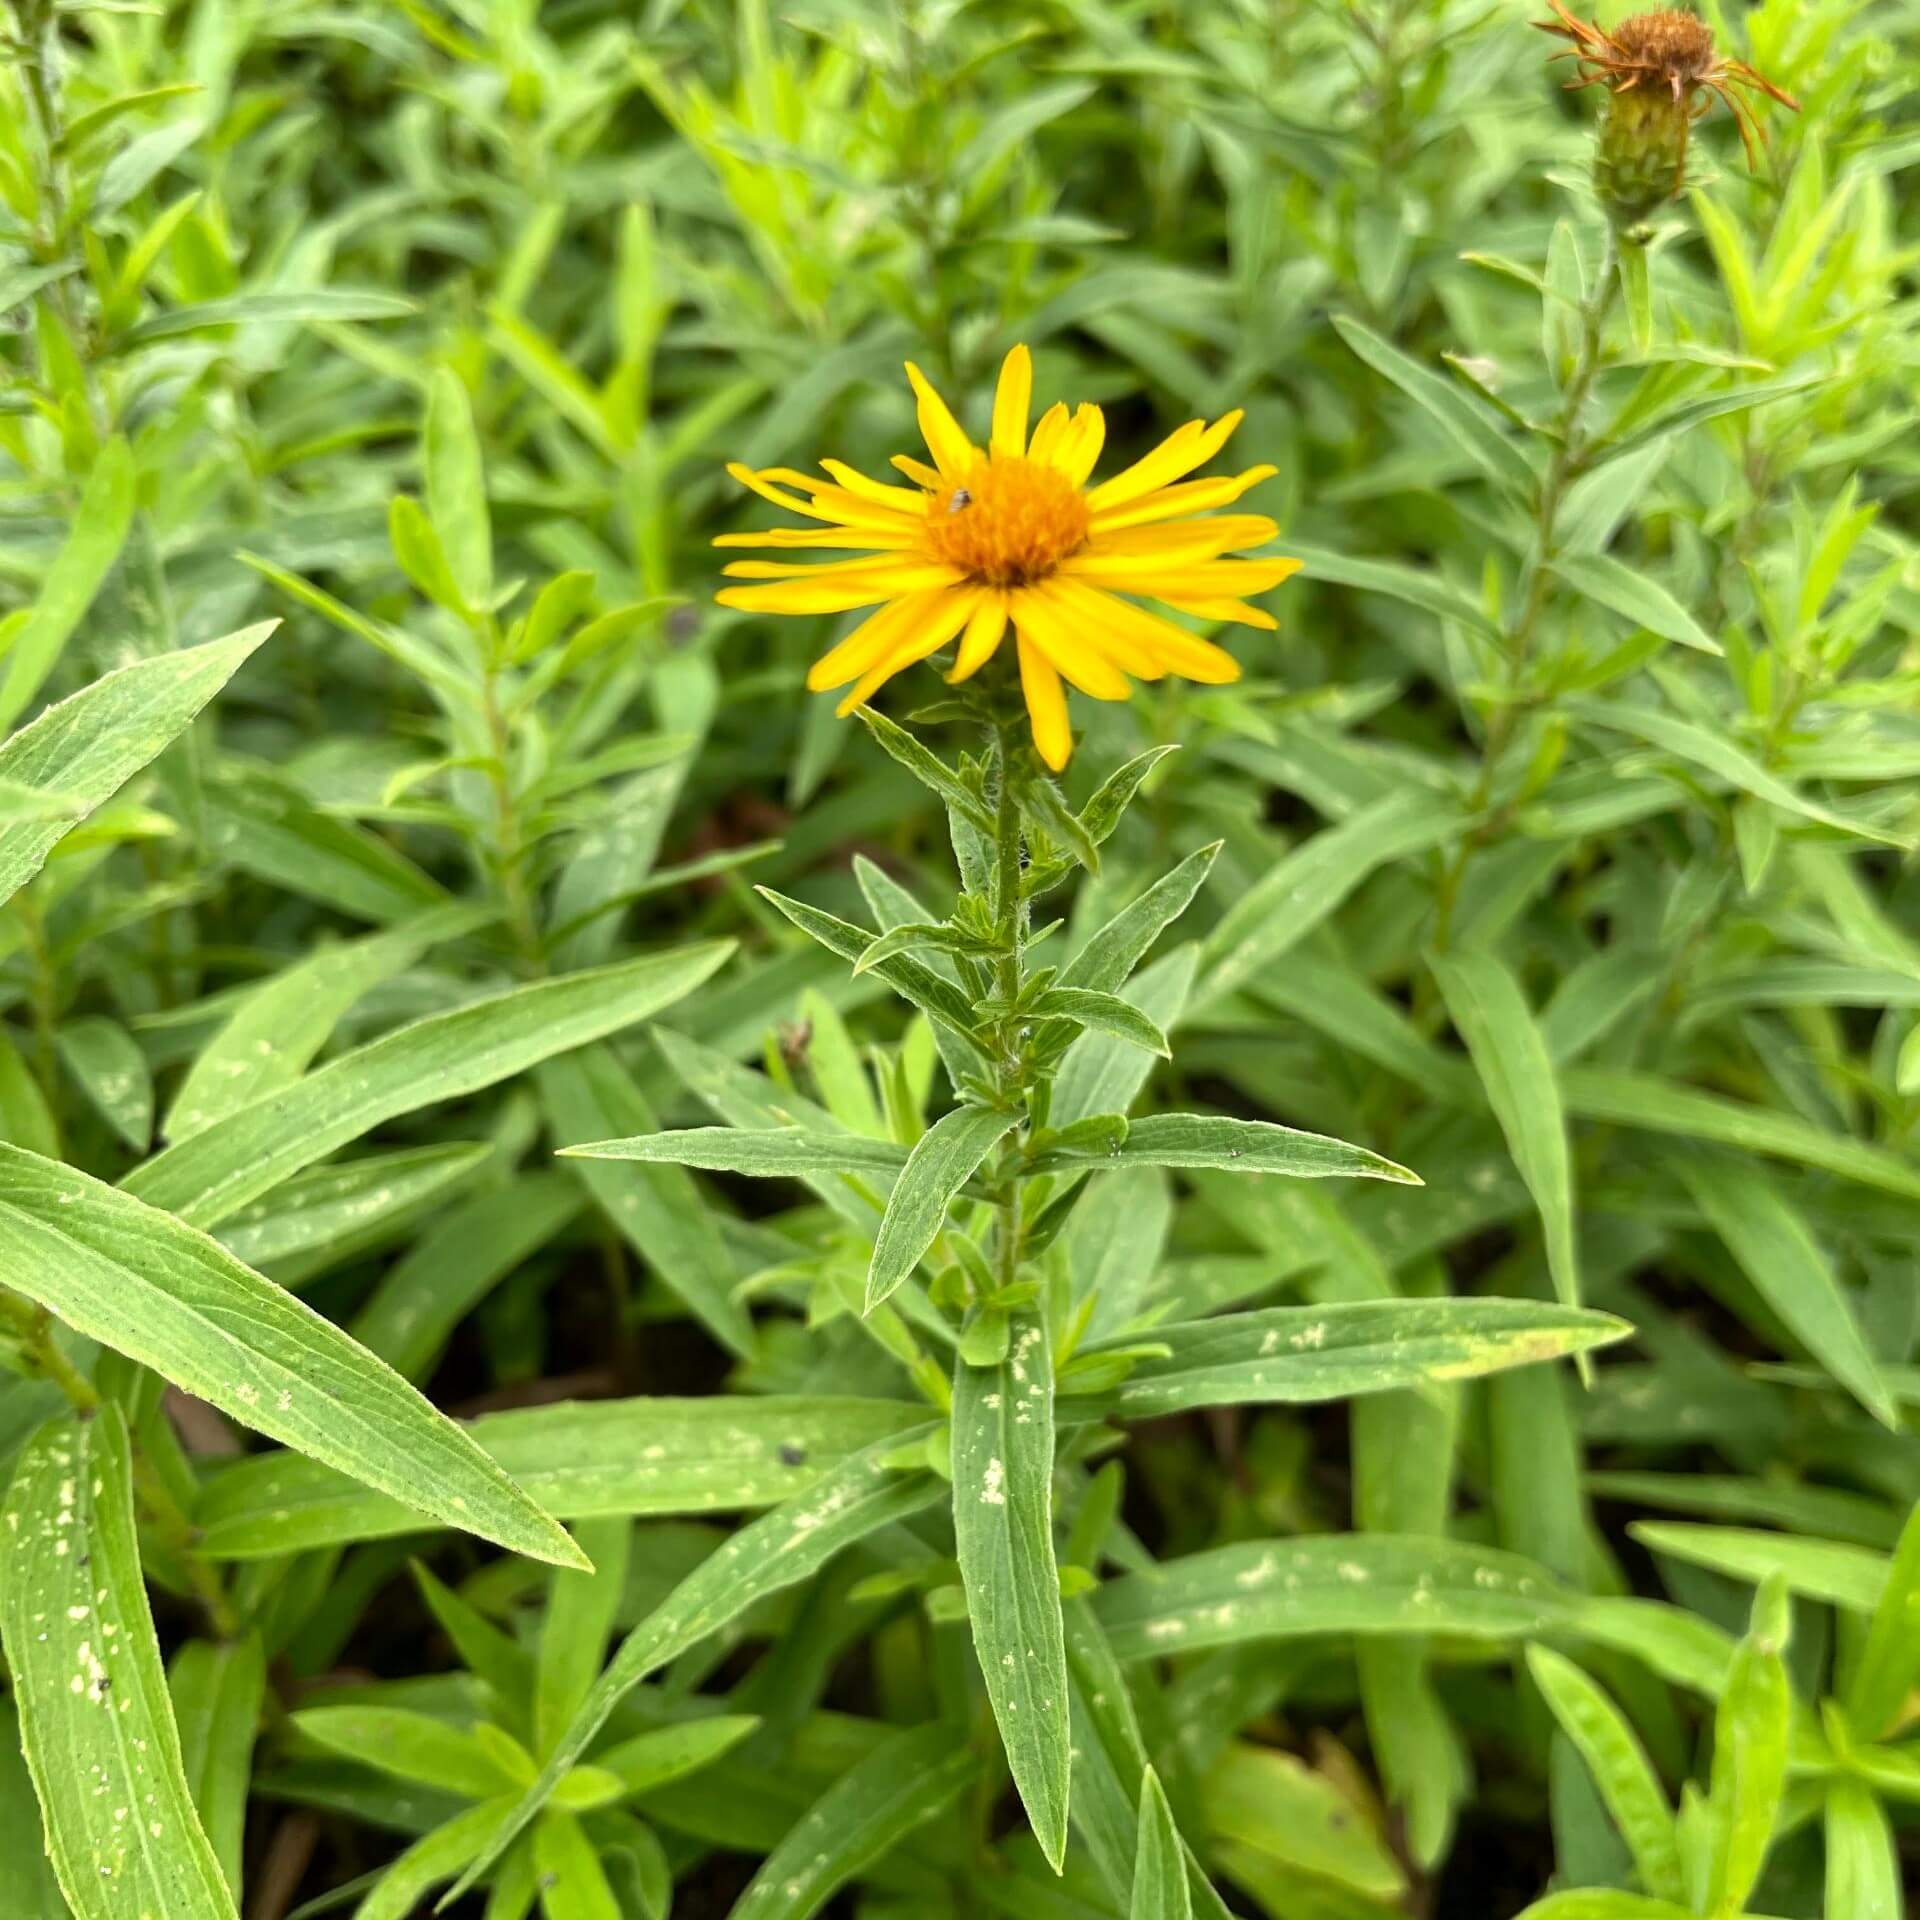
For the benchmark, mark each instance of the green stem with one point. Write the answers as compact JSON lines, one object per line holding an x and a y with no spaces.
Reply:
{"x":509,"y":838}
{"x":1010,"y":928}
{"x":1567,"y":462}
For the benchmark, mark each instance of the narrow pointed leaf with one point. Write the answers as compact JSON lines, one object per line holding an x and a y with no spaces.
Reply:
{"x":943,"y":1160}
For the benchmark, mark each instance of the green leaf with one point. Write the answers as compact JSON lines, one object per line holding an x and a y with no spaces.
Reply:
{"x":1699,"y":746}
{"x":414,"y":1747}
{"x":573,"y":1884}
{"x":1466,"y":422}
{"x":1591,"y":1903}
{"x":1889,"y":1663}
{"x":1662,"y":1106}
{"x":1103,"y":1013}
{"x":1778,"y":1253}
{"x":580,"y":1615}
{"x":139,"y":1281}
{"x":96,"y":1720}
{"x":1749,"y":1755}
{"x":1306,"y":885}
{"x":1619,"y":1766}
{"x":931,"y":771}
{"x":457,"y":487}
{"x":943,"y":1160}
{"x":658,"y":1211}
{"x":651,"y":1760}
{"x":218,"y":1692}
{"x":443,"y":1057}
{"x":1115,"y":794}
{"x":1338,"y":1584}
{"x":1160,"y":1866}
{"x":1233,"y":1146}
{"x":89,"y":746}
{"x":1612,"y":584}
{"x":1289,"y":1355}
{"x":1114,"y":950}
{"x":896,"y":1789}
{"x":1510,"y":1055}
{"x":303,"y":305}
{"x":1414,"y":586}
{"x":781,"y":1548}
{"x":1863,"y":1862}
{"x":782,"y":1152}
{"x":79,"y":569}
{"x":425,"y":1864}
{"x":108,"y":1063}
{"x":657,"y":1455}
{"x":1003,"y":1524}
{"x":1847,"y":1576}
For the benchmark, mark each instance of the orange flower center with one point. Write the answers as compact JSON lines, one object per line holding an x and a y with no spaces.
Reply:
{"x":1009,"y":522}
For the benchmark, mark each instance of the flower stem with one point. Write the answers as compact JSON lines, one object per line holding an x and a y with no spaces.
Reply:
{"x":1010,"y":928}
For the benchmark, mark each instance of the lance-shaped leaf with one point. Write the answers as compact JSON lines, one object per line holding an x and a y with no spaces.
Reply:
{"x":140,"y":1281}
{"x":1343,"y":1583}
{"x":1160,"y":1866}
{"x":1776,"y":1250}
{"x":939,"y":999}
{"x":217,"y":1694}
{"x":1292,"y":897}
{"x":1511,"y":1058}
{"x":784,"y":1151}
{"x":901,"y":1785}
{"x":1297,"y":1354}
{"x":86,"y":748}
{"x":1232,"y":1146}
{"x":777,"y":1550}
{"x":457,"y":487}
{"x":1749,"y":1754}
{"x":1889,"y":1663}
{"x":1003,"y":1524}
{"x":444,"y":1057}
{"x":943,"y":1160}
{"x":1114,"y":950}
{"x":96,"y":1721}
{"x":1103,"y":1013}
{"x":581,"y":1461}
{"x":1613,"y":584}
{"x":1619,"y":1766}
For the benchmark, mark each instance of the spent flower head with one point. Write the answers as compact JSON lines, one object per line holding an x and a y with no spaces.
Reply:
{"x":1660,"y":70}
{"x":1010,"y":534}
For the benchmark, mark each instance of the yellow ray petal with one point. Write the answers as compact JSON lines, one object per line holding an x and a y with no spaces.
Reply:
{"x":911,"y":574}
{"x":1178,"y":650}
{"x":953,"y":453}
{"x":981,"y":641}
{"x":1203,"y":539}
{"x":906,"y":500}
{"x":1190,"y":496}
{"x":917,"y":470}
{"x":1122,"y":648}
{"x":1182,"y":450}
{"x":928,"y":634}
{"x":1046,"y":706}
{"x":827,"y":503}
{"x":1046,"y":436}
{"x":839,"y":594}
{"x":818,"y":537}
{"x":1238,"y":611}
{"x":1169,"y":576}
{"x":1012,"y":402}
{"x":1068,"y":651}
{"x":1079,"y":449}
{"x":869,"y":641}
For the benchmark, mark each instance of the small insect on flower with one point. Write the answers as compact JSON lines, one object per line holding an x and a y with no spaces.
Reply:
{"x":1666,"y":59}
{"x":1011,"y":535}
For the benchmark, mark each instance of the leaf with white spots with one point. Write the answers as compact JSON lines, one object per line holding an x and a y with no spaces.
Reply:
{"x":580,"y":1460}
{"x":1232,"y":1146}
{"x":145,"y":1284}
{"x":1329,"y":1584}
{"x":1003,"y":1525}
{"x":1160,"y":1866}
{"x":1299,"y":1354}
{"x":901,"y":1785}
{"x":790,"y":1544}
{"x":443,"y":1057}
{"x":88,"y":747}
{"x":96,"y":1719}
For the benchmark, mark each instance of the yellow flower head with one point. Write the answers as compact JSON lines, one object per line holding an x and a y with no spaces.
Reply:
{"x":1012,"y":534}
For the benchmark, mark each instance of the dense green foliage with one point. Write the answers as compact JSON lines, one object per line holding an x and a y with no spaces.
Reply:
{"x":452,"y":1082}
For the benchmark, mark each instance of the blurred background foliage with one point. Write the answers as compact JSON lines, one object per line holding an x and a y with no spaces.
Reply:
{"x":1602,"y":668}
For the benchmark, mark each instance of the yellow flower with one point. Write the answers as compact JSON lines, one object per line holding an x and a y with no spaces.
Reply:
{"x":1012,"y":535}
